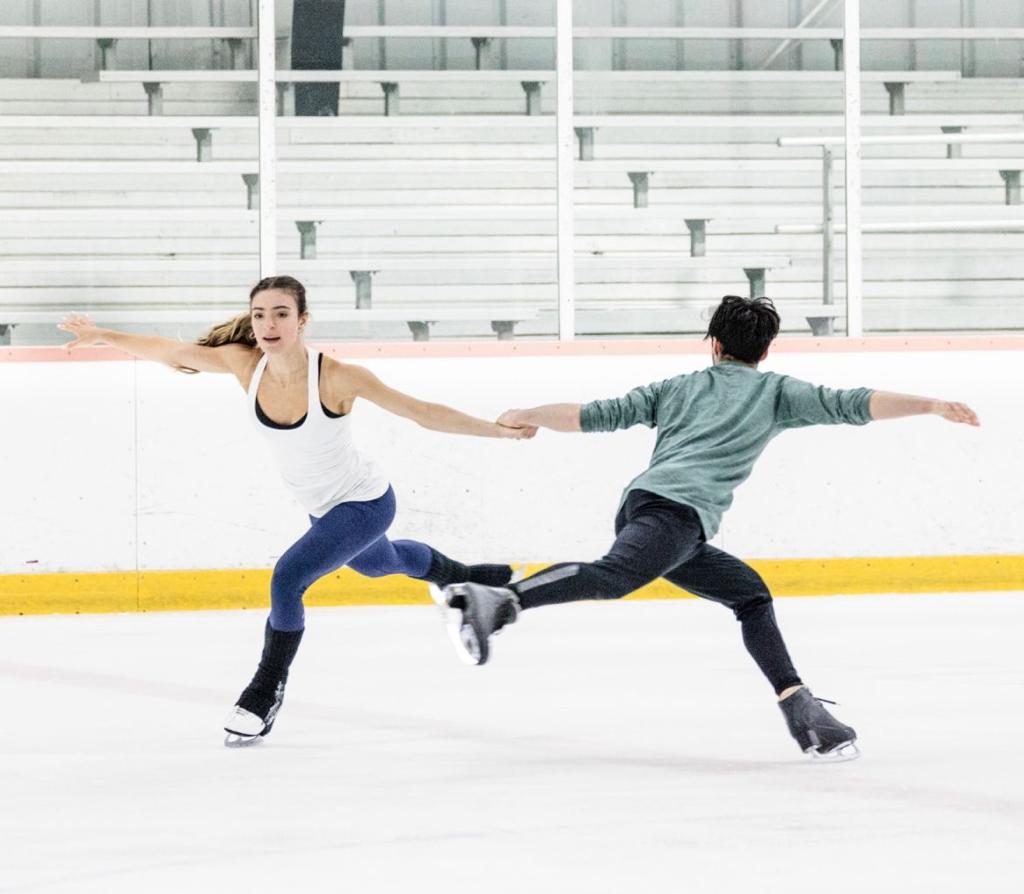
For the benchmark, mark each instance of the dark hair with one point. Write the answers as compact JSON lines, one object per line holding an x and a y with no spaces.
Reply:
{"x":239,"y":330}
{"x":745,"y":327}
{"x":287,"y":284}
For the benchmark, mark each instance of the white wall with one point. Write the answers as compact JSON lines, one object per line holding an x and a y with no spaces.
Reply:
{"x":113,"y":466}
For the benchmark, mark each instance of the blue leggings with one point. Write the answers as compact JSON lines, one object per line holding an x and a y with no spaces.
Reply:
{"x":350,"y":534}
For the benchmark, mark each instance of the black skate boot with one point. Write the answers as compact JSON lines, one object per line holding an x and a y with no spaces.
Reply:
{"x":478,"y":612}
{"x":254,"y":713}
{"x":444,"y":571}
{"x":816,"y":731}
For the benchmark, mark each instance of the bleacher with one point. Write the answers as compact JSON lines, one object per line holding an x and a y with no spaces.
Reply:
{"x":440,"y":216}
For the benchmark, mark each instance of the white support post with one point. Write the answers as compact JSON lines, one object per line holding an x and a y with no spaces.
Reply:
{"x":854,"y":265}
{"x":382,"y":44}
{"x":736,"y":47}
{"x":566,"y":145}
{"x":503,"y":44}
{"x":827,"y":228}
{"x":266,"y":53}
{"x":36,"y":64}
{"x":968,"y":54}
{"x":619,"y":19}
{"x":912,"y":44}
{"x":796,"y":59}
{"x":439,"y":16}
{"x":681,"y":44}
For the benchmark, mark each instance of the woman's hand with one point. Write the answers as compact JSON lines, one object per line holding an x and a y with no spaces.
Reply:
{"x":83,"y":329}
{"x":515,"y":421}
{"x":516,"y":432}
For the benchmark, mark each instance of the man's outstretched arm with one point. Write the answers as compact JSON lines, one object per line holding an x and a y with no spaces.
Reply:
{"x":638,"y":407}
{"x":887,"y":405}
{"x":557,"y":417}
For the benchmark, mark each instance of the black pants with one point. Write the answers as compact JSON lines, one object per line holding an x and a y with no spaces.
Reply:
{"x":656,"y":537}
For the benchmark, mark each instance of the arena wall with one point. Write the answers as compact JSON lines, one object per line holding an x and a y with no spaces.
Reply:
{"x":132,"y":486}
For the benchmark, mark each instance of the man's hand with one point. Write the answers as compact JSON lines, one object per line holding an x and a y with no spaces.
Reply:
{"x":514,"y":419}
{"x":956,"y":412}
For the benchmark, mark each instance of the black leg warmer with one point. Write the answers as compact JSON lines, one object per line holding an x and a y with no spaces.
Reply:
{"x":444,"y":571}
{"x":279,"y":648}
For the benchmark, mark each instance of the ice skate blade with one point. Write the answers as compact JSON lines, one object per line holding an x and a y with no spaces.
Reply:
{"x":462,"y":634}
{"x":464,"y":638}
{"x":236,"y":740}
{"x":437,"y":595}
{"x":847,"y":751}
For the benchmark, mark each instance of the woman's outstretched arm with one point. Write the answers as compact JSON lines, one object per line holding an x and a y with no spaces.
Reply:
{"x":434,"y":416}
{"x":180,"y":355}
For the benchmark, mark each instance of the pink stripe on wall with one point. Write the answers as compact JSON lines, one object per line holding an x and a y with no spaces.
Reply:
{"x":583,"y":348}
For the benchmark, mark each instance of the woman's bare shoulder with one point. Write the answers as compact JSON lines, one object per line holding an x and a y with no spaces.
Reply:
{"x":241,"y":360}
{"x":342,"y":383}
{"x":342,"y":374}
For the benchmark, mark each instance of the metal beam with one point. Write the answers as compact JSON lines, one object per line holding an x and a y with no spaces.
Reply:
{"x":854,"y":261}
{"x":267,"y":136}
{"x":565,"y":158}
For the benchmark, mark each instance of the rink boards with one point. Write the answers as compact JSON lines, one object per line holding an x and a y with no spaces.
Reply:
{"x":132,"y":487}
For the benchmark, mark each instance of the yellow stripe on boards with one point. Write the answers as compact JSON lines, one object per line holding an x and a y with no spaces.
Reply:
{"x":250,"y":588}
{"x":68,"y":593}
{"x":914,"y":574}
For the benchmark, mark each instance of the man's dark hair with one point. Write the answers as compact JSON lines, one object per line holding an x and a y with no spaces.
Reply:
{"x":744,"y":326}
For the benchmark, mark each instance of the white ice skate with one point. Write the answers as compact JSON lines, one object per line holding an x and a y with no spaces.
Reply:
{"x":244,"y":727}
{"x":847,"y":751}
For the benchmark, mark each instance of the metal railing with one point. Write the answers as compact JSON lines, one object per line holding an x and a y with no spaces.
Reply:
{"x":828,"y":227}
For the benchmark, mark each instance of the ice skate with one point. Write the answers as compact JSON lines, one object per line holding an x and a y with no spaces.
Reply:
{"x":475,"y":612}
{"x":519,"y":571}
{"x":248,"y":723}
{"x":816,"y":731}
{"x":437,"y":594}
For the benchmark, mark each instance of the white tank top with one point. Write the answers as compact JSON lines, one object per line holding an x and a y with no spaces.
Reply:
{"x":317,"y":459}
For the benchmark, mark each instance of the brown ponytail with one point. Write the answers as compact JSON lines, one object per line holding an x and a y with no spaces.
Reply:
{"x":237,"y":331}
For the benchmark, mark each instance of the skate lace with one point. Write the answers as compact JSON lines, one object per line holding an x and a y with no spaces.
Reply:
{"x":825,"y":701}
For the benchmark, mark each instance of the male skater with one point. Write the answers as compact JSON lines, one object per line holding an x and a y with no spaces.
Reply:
{"x":712,"y":426}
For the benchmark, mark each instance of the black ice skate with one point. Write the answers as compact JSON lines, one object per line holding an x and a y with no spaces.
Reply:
{"x":816,"y":731}
{"x":253,"y":717}
{"x":476,"y":613}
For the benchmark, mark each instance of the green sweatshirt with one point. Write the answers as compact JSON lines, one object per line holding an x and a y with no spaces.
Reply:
{"x":714,"y":424}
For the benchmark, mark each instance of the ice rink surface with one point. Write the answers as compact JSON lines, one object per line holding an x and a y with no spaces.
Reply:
{"x":629,"y":747}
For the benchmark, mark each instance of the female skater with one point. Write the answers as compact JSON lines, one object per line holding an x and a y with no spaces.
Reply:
{"x":301,"y":402}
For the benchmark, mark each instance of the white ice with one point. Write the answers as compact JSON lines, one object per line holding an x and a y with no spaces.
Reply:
{"x":627,"y":747}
